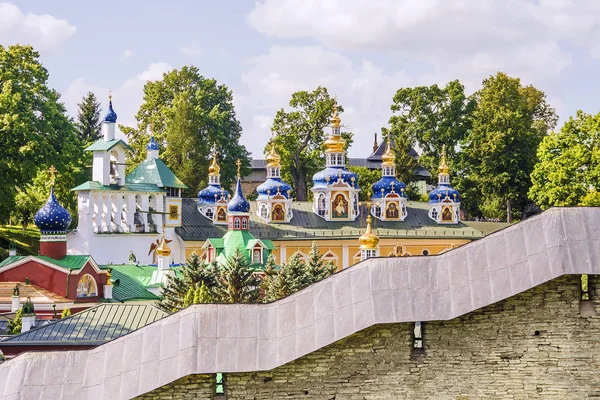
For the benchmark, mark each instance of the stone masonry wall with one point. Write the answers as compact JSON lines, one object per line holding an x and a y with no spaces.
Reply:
{"x":532,"y":346}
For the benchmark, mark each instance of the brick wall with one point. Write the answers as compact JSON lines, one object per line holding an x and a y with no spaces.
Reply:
{"x":532,"y":346}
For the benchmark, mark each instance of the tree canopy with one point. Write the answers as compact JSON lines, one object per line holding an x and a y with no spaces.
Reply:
{"x":300,"y":134}
{"x":187,"y":113}
{"x":568,"y":169}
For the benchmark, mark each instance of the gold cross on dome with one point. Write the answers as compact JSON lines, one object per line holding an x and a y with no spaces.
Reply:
{"x":52,"y":172}
{"x":110,"y":95}
{"x":239,"y":164}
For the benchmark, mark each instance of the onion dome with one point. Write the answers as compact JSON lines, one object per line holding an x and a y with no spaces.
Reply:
{"x":273,"y":187}
{"x":111,"y":115}
{"x":330,"y":175}
{"x":52,"y":218}
{"x":214,"y":169}
{"x":369,"y":240}
{"x":163,"y":248}
{"x":444,"y":192}
{"x":210,"y":194}
{"x":152,"y":144}
{"x":388,"y":158}
{"x":273,"y":159}
{"x":387,"y":185}
{"x":238,"y":202}
{"x":335,"y":143}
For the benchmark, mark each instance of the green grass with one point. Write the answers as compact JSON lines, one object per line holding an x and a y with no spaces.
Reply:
{"x":27,"y":244}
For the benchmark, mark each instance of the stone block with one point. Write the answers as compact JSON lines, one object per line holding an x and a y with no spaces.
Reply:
{"x":267,"y":321}
{"x":458,"y":268}
{"x":398,"y":273}
{"x":323,"y":295}
{"x":132,"y":350}
{"x":55,"y":372}
{"x":481,"y":291}
{"x":579,"y":257}
{"x":362,"y":314}
{"x":574,"y":224}
{"x":93,"y":366}
{"x":441,"y":305}
{"x":305,"y":340}
{"x":342,"y":296}
{"x":207,"y":320}
{"x":324,"y":331}
{"x":111,"y":389}
{"x":383,"y":309}
{"x":516,"y":251}
{"x":520,"y":277}
{"x":552,"y":227}
{"x":33,"y":392}
{"x":151,"y":340}
{"x":113,"y":359}
{"x":380,"y":277}
{"x":477,"y":260}
{"x":360,"y":284}
{"x":442,"y":272}
{"x":462,"y":302}
{"x":75,"y":367}
{"x":247,"y":354}
{"x":403,"y":308}
{"x":539,"y":269}
{"x":228,"y":325}
{"x":187,"y":361}
{"x":227,"y":354}
{"x":304,"y":308}
{"x":129,"y":383}
{"x":207,"y":355}
{"x":495,"y":250}
{"x":148,"y":376}
{"x":500,"y":283}
{"x":343,"y":322}
{"x":248,"y":326}
{"x":421,"y":302}
{"x":286,"y":318}
{"x":167,"y":371}
{"x":286,"y":349}
{"x":418,"y":275}
{"x":188,"y":331}
{"x":267,"y":354}
{"x":532,"y":228}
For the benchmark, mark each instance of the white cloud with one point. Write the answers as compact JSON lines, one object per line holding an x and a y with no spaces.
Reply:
{"x":127,"y":96}
{"x":364,"y":90}
{"x":191,"y":50}
{"x":44,"y":32}
{"x":126,"y":55}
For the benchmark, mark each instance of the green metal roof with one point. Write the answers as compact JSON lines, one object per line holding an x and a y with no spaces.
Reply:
{"x":130,"y":282}
{"x":237,"y":240}
{"x":154,"y":171}
{"x":94,"y":326}
{"x":102,"y":144}
{"x":267,"y":243}
{"x":67,"y":262}
{"x":217,"y":243}
{"x":308,"y":225}
{"x":128,"y":187}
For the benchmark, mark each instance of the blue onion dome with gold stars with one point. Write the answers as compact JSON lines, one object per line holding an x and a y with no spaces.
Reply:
{"x":386,"y":185}
{"x":274,"y":185}
{"x":443,"y":191}
{"x":111,"y":115}
{"x":213,"y":192}
{"x":52,"y":218}
{"x":238,"y":202}
{"x":152,"y":144}
{"x":330,"y":175}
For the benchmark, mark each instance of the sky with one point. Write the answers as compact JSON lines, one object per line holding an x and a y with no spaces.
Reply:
{"x":361,"y":50}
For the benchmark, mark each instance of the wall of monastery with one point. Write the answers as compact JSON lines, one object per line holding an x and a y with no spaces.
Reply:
{"x":535,"y":345}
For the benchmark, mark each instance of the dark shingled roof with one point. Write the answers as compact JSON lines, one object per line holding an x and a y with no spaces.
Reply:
{"x":306,"y":224}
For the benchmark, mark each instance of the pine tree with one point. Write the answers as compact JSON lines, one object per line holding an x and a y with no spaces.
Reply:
{"x":88,"y":119}
{"x":202,"y":295}
{"x":290,"y":278}
{"x":189,"y":297}
{"x":237,"y":283}
{"x":315,"y":266}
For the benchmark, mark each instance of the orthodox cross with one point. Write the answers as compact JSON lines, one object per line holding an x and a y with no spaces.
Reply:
{"x":110,"y":95}
{"x":239,"y":164}
{"x":52,"y":172}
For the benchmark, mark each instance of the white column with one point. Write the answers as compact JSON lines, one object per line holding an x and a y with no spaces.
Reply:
{"x":144,"y":205}
{"x":121,"y":166}
{"x":282,"y":254}
{"x":131,"y":206}
{"x":98,"y":207}
{"x":107,"y":212}
{"x":108,"y":131}
{"x":118,"y":211}
{"x":345,"y":257}
{"x":27,"y":323}
{"x":163,"y":263}
{"x":15,"y":303}
{"x":160,"y":207}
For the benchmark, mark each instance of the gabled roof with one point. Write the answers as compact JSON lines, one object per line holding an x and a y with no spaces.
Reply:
{"x":130,"y":282}
{"x":217,"y":243}
{"x":102,"y":144}
{"x":70,"y":262}
{"x":263,"y":243}
{"x":37,"y":294}
{"x":156,"y":172}
{"x":128,"y":187}
{"x":94,"y":326}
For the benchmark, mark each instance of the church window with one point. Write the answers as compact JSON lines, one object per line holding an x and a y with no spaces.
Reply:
{"x":220,"y":384}
{"x":211,"y":254}
{"x":257,"y":256}
{"x":264,"y":211}
{"x":355,"y":205}
{"x":86,"y":287}
{"x":236,"y":223}
{"x":244,"y":223}
{"x":209,"y":212}
{"x":370,"y":253}
{"x":321,"y":204}
{"x":434,"y":214}
{"x":418,"y":336}
{"x":425,"y":252}
{"x":230,"y":223}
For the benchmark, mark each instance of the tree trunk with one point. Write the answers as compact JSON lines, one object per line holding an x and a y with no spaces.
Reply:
{"x":508,"y":211}
{"x":301,"y":187}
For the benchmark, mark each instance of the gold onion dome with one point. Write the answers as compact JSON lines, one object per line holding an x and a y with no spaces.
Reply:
{"x":369,"y":240}
{"x":443,"y":168}
{"x":214,"y":168}
{"x":273,"y":158}
{"x":163,"y":248}
{"x":335,"y":144}
{"x":388,"y":158}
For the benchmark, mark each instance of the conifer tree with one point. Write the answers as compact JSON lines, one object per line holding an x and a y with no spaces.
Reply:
{"x":202,"y":295}
{"x":189,"y":297}
{"x":237,"y":283}
{"x":14,"y":326}
{"x":88,"y":119}
{"x":315,"y":266}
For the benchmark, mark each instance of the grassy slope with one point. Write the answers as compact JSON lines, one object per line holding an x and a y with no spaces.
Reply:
{"x":27,"y":244}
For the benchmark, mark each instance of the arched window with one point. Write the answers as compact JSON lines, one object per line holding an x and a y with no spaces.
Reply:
{"x":86,"y":287}
{"x":209,"y":212}
{"x":264,"y":211}
{"x":244,"y":223}
{"x":236,"y":223}
{"x":434,"y":213}
{"x":377,"y":210}
{"x":321,"y":204}
{"x":257,"y":256}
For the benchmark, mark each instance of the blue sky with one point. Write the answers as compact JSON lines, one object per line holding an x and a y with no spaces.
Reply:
{"x":362,"y":50}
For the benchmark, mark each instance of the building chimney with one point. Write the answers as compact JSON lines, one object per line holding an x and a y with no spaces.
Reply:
{"x":27,"y":316}
{"x":108,"y":286}
{"x":16,"y":299}
{"x":375,"y":144}
{"x":12,"y":249}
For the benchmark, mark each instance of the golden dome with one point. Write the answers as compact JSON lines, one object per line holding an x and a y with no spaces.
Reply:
{"x":443,"y":168}
{"x":163,"y":248}
{"x":273,"y":158}
{"x":389,"y":158}
{"x":369,"y":240}
{"x":335,"y":144}
{"x":214,"y":168}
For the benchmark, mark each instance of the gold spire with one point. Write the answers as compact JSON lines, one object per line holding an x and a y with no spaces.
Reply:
{"x":273,"y":158}
{"x":52,"y":172}
{"x":110,"y":95}
{"x":214,"y":169}
{"x":443,"y":168}
{"x":369,"y":240}
{"x":389,"y":158}
{"x":163,"y":248}
{"x":239,"y":164}
{"x":335,"y":143}
{"x":108,"y":282}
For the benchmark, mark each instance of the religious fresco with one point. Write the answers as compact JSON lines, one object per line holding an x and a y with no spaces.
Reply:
{"x":221,"y":214}
{"x":173,"y":212}
{"x":447,"y":214}
{"x":339,"y":206}
{"x":278,"y":214}
{"x":86,"y":287}
{"x":391,"y":211}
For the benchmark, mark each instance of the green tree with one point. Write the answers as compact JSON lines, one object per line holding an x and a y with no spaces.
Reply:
{"x":189,"y":297}
{"x":88,"y":119}
{"x":14,"y":326}
{"x":508,"y":124}
{"x":568,"y":164}
{"x":300,"y":136}
{"x":430,"y":117}
{"x":188,"y":113}
{"x":65,"y":313}
{"x":202,"y":295}
{"x":34,"y":129}
{"x":367,"y":178}
{"x":237,"y":281}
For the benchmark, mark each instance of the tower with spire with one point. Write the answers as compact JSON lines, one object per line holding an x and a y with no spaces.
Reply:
{"x":444,"y":200}
{"x":335,"y":189}
{"x":212,"y":200}
{"x":389,"y":197}
{"x":368,"y":242}
{"x":274,"y":201}
{"x":53,"y":220}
